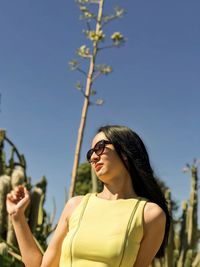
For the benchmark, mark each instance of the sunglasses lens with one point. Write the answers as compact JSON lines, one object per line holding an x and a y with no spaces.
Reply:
{"x":98,"y":149}
{"x":89,"y":154}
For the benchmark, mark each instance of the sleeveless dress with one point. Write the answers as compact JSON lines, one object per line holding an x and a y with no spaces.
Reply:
{"x":103,"y":233}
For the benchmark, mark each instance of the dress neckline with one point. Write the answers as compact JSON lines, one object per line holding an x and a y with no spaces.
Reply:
{"x":115,"y":200}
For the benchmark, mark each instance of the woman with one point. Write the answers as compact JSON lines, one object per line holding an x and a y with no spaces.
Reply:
{"x":125,"y":225}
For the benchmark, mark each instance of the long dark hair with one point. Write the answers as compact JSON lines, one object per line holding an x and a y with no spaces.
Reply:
{"x":130,"y":146}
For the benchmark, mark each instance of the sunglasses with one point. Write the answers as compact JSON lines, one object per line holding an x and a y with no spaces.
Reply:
{"x":98,"y":149}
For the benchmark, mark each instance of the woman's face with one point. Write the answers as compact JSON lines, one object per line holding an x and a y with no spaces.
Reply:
{"x":108,"y":164}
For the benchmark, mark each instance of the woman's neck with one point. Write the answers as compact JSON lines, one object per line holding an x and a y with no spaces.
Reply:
{"x":116,"y":191}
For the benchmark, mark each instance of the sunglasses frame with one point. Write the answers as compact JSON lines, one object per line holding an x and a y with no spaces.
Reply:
{"x":95,"y":149}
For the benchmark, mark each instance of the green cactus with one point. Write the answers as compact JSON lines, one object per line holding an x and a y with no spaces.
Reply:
{"x":4,"y":189}
{"x":192,"y":212}
{"x":2,"y":156}
{"x":3,"y":249}
{"x":183,"y":235}
{"x":17,"y":178}
{"x":41,"y":223}
{"x":188,"y":258}
{"x":196,"y":262}
{"x":169,"y":250}
{"x":10,"y":239}
{"x":36,"y":199}
{"x":182,"y":250}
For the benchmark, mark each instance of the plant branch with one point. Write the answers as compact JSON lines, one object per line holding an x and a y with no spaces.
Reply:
{"x":113,"y":17}
{"x":98,"y":74}
{"x":81,"y":71}
{"x":108,"y":47}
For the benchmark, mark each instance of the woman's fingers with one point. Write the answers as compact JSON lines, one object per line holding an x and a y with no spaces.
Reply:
{"x":17,"y":200}
{"x":17,"y":194}
{"x":11,"y":196}
{"x":24,"y":201}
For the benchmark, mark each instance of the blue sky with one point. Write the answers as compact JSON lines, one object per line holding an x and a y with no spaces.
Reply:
{"x":154,"y":87}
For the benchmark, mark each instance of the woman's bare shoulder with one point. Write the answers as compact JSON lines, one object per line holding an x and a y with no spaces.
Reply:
{"x":72,"y":204}
{"x":74,"y":201}
{"x":154,"y":229}
{"x":154,"y":213}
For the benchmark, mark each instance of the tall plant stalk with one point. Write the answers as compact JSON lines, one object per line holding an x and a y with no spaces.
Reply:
{"x":86,"y":101}
{"x":94,"y":71}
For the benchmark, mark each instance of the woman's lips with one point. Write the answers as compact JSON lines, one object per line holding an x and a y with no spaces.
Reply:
{"x":98,"y":166}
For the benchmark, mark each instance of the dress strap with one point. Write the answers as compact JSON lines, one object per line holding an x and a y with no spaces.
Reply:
{"x":128,"y":230}
{"x":84,"y":202}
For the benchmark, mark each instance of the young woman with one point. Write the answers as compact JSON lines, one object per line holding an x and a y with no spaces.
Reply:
{"x":125,"y":225}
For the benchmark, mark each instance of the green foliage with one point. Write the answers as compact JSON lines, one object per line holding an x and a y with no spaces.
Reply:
{"x":9,"y":261}
{"x":83,"y":183}
{"x":84,"y":180}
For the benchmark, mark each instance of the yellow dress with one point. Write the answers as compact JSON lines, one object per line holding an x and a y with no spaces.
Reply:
{"x":103,"y":233}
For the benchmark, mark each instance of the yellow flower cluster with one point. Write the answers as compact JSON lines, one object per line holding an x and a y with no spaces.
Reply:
{"x":95,"y":36}
{"x":83,"y":51}
{"x":117,"y":37}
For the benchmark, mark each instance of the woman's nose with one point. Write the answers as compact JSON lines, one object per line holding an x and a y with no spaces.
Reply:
{"x":94,"y":157}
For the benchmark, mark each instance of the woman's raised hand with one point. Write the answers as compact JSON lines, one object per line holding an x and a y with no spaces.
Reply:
{"x":17,"y":200}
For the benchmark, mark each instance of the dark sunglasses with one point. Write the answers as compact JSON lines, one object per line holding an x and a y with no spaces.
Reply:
{"x":98,"y":149}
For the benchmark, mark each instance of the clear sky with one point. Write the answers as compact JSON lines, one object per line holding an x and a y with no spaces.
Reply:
{"x":154,"y":87}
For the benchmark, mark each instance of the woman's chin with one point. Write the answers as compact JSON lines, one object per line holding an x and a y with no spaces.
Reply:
{"x":102,"y":176}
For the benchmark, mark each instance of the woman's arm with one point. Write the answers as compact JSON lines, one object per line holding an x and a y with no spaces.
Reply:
{"x":17,"y":201}
{"x":31,"y":255}
{"x":51,"y":257}
{"x":154,"y":229}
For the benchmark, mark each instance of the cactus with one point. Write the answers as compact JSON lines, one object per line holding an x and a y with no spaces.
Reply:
{"x":12,"y":175}
{"x":188,"y":258}
{"x":3,"y":252}
{"x":182,"y":250}
{"x":36,"y":205}
{"x":17,"y":178}
{"x":4,"y":189}
{"x":183,"y":234}
{"x":169,"y":251}
{"x":192,"y":211}
{"x":196,"y":262}
{"x":2,"y":156}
